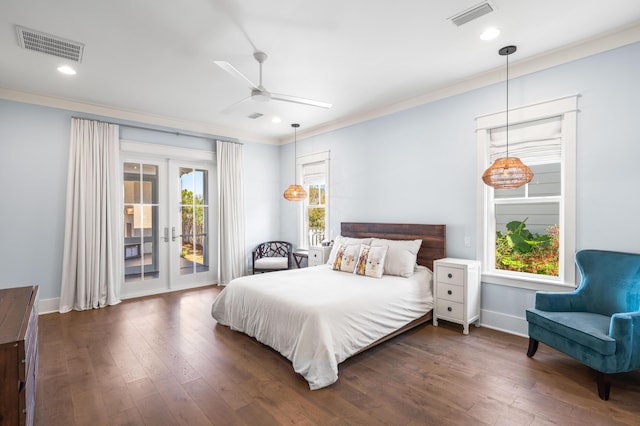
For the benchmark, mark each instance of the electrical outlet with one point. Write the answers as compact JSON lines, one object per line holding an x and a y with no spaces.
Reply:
{"x":467,"y":241}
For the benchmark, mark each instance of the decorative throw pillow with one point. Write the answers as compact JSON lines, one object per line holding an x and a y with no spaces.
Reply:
{"x":401,"y":257}
{"x":346,"y":256}
{"x":371,"y":261}
{"x":344,"y":240}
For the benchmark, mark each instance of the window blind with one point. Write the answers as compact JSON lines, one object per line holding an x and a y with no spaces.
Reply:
{"x":538,"y":141}
{"x":314,"y":173}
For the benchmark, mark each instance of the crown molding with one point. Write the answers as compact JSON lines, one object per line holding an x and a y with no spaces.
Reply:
{"x":126,"y":115}
{"x":540,"y":62}
{"x":569,"y":53}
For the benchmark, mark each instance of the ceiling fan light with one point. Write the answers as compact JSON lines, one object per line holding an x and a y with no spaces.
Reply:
{"x":295,"y":193}
{"x":260,"y":95}
{"x":507,"y":173}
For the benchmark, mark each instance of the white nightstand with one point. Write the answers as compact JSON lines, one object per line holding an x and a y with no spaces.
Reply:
{"x":318,"y":255}
{"x":456,"y":287}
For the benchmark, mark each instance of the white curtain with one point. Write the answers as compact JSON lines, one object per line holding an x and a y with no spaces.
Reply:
{"x":92,"y":269}
{"x":231,"y":249}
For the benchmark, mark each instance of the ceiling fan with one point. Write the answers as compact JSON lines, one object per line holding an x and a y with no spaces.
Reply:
{"x":258,"y":92}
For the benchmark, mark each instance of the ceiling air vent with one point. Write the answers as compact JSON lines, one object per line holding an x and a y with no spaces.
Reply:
{"x":472,"y":13}
{"x":255,"y":115}
{"x":49,"y":44}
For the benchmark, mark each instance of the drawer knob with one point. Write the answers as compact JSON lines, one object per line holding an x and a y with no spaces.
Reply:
{"x":449,"y":309}
{"x":449,"y":292}
{"x":450,"y":275}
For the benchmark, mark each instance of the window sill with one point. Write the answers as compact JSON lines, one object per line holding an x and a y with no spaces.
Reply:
{"x":528,"y":283}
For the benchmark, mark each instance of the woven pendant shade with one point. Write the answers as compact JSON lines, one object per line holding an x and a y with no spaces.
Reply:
{"x":507,"y":173}
{"x":295,"y":193}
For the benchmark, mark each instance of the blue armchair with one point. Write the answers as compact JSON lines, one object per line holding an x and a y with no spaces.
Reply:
{"x":599,"y":323}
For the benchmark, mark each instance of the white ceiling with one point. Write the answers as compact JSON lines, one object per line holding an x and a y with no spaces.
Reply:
{"x":152,"y":60}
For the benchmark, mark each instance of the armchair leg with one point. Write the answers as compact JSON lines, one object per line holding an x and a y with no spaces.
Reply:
{"x":604,"y":385}
{"x":533,"y":347}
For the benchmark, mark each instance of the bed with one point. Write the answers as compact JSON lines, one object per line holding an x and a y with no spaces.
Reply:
{"x":317,"y":317}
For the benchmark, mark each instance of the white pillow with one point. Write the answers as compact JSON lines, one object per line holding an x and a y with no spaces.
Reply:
{"x":371,"y":261}
{"x":344,"y":240}
{"x":346,"y":257}
{"x":401,"y":256}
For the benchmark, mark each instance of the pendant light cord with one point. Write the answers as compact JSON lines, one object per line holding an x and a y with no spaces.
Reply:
{"x":295,"y":151}
{"x":507,"y":130}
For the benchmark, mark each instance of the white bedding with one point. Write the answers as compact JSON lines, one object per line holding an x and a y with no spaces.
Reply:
{"x":317,"y":317}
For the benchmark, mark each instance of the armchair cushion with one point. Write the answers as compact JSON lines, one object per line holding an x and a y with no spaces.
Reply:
{"x":578,"y":328}
{"x":271,"y":263}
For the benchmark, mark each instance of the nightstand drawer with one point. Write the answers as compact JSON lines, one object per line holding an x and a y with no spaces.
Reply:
{"x":447,"y":309}
{"x":454,"y":293}
{"x":450,"y":275}
{"x":318,"y":255}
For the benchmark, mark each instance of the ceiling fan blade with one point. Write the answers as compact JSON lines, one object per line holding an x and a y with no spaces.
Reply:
{"x":235,"y":73}
{"x":297,"y":100}
{"x":230,"y":109}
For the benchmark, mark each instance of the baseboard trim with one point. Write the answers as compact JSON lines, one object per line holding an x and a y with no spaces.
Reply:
{"x":505,"y":323}
{"x":49,"y":306}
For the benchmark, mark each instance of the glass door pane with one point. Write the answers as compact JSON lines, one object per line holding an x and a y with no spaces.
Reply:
{"x":140,"y":219}
{"x":194,"y":217}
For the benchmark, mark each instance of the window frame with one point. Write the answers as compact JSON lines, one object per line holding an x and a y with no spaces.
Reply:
{"x":301,"y":161}
{"x":567,"y":109}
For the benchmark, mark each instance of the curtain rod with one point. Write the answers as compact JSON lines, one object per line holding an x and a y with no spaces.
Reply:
{"x":176,"y":133}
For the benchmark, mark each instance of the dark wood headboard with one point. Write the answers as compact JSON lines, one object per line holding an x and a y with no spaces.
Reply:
{"x":434,"y":237}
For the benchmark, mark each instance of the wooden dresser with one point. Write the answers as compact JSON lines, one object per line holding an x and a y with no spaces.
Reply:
{"x":18,"y":355}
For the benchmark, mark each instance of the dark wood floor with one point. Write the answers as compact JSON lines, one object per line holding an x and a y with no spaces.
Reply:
{"x":162,"y":360}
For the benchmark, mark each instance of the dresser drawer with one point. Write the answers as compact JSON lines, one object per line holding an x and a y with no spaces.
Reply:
{"x":449,"y":275}
{"x":454,"y":293}
{"x":449,"y":309}
{"x":18,"y":355}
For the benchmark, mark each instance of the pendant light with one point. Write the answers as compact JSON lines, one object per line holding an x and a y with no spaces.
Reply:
{"x":507,"y":172}
{"x":295,"y":192}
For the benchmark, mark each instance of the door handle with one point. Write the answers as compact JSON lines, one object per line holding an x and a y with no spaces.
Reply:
{"x":166,"y":234}
{"x":173,"y":233}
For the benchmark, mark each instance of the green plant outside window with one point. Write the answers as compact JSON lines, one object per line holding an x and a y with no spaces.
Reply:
{"x":519,"y":250}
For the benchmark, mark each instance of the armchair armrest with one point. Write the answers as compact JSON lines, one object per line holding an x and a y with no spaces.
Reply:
{"x":558,"y":302}
{"x":625,"y":328}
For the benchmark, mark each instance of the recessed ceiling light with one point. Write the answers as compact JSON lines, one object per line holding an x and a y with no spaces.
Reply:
{"x":490,"y":34}
{"x":276,"y":120}
{"x":64,"y":69}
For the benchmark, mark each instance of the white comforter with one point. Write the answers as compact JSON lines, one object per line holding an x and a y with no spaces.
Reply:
{"x":317,"y":317}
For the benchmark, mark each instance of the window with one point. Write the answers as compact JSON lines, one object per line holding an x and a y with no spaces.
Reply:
{"x":528,"y":233}
{"x":141,"y":223}
{"x":313,"y":172}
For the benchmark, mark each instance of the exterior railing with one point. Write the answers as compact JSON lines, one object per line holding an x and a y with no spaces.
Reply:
{"x":316,"y":237}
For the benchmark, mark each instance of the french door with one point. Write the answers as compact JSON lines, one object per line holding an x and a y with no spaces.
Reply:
{"x":169,"y":227}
